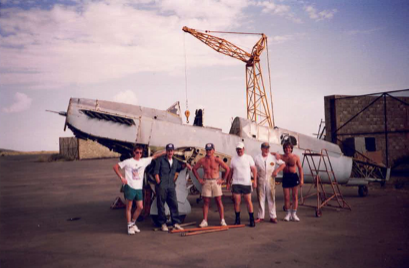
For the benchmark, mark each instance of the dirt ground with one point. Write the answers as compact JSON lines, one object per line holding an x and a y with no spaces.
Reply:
{"x":37,"y":198}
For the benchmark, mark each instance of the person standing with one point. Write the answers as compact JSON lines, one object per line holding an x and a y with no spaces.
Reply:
{"x":267,"y":170}
{"x":212,"y":183}
{"x":291,"y":180}
{"x":241,"y":167}
{"x":133,"y":181}
{"x":164,"y":171}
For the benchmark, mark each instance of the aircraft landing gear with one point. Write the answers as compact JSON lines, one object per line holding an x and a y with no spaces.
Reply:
{"x":363,"y":190}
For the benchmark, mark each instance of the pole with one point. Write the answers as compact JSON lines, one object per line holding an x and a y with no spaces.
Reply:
{"x":386,"y":129}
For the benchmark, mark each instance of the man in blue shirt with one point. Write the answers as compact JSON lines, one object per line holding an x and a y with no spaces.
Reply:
{"x":165,"y":170}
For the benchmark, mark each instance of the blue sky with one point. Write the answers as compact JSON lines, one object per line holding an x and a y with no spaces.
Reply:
{"x":135,"y":51}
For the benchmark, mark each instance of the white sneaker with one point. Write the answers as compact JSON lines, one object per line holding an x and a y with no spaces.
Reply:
{"x":294,"y":217}
{"x":223,"y":223}
{"x":203,"y":224}
{"x":136,"y":229}
{"x":177,"y":227}
{"x":165,"y":228}
{"x":131,"y":230}
{"x":287,"y":217}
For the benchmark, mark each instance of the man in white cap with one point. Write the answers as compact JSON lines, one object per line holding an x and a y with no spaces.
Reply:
{"x":267,"y":170}
{"x":212,"y":183}
{"x":241,"y":167}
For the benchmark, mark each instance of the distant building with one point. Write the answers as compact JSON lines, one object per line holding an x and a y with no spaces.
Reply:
{"x":375,"y":126}
{"x":75,"y":148}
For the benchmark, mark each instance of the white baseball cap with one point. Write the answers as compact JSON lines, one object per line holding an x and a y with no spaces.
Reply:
{"x":240,"y":145}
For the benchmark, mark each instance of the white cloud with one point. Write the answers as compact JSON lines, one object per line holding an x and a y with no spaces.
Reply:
{"x":21,"y":103}
{"x":126,"y":97}
{"x":316,"y":15}
{"x":269,"y":7}
{"x":279,"y":39}
{"x":98,"y":41}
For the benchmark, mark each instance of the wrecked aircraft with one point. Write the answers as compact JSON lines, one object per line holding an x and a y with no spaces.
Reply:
{"x":120,"y":126}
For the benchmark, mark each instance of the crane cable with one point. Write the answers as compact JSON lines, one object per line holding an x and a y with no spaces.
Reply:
{"x":207,"y":31}
{"x":187,"y":112}
{"x":269,"y":80}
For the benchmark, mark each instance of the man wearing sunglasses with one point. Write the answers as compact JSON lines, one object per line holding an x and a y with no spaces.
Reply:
{"x":212,"y":183}
{"x":133,"y":182}
{"x":241,"y":167}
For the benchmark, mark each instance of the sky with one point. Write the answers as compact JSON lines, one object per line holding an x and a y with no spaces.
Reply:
{"x":134,"y":51}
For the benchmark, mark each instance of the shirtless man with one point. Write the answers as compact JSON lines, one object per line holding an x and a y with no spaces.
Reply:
{"x":291,"y":180}
{"x":211,"y":182}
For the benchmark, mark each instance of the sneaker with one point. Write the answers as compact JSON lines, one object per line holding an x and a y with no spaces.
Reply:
{"x":259,"y":220}
{"x":295,"y":218}
{"x":203,"y":224}
{"x":165,"y":228}
{"x":136,"y":229}
{"x":223,"y":223}
{"x":177,"y":227}
{"x":287,"y":217}
{"x":131,"y":230}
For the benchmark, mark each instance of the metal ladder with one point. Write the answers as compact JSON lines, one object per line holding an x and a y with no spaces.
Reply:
{"x":324,"y":166}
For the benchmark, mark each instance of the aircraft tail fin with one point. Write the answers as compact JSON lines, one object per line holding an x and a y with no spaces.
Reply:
{"x":174,"y":109}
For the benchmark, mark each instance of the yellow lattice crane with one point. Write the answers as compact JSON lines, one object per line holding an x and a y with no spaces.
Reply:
{"x":257,"y":106}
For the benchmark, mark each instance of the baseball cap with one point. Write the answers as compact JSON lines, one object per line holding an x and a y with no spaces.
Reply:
{"x":170,"y":147}
{"x":209,"y":146}
{"x":265,"y":145}
{"x":240,"y":145}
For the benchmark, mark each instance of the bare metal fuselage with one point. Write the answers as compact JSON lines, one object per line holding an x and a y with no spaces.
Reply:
{"x":118,"y":126}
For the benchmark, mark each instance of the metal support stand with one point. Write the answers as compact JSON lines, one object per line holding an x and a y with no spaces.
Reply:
{"x":322,"y":174}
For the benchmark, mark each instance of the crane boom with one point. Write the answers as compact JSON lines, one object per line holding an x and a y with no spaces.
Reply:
{"x":257,"y":106}
{"x":220,"y":45}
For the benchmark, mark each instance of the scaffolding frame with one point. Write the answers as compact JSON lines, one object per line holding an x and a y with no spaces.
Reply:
{"x":322,"y":197}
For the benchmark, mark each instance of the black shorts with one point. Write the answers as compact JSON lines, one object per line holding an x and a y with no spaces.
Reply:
{"x":290,"y":180}
{"x":241,"y":189}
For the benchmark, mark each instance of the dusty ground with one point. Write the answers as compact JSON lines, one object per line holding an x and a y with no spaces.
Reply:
{"x":37,"y":198}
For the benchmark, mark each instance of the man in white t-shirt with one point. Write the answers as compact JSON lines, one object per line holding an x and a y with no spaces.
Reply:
{"x":241,"y":167}
{"x":133,"y":181}
{"x":267,"y":170}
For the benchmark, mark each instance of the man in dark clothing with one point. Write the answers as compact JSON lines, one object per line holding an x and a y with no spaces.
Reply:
{"x":165,"y":170}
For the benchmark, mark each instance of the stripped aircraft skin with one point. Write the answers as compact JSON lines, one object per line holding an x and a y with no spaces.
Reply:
{"x":120,"y":126}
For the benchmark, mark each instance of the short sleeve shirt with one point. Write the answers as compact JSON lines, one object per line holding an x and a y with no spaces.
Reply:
{"x":241,"y":166}
{"x":134,"y":170}
{"x":266,"y":166}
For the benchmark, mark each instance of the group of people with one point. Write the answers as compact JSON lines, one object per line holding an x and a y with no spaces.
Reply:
{"x":263,"y":168}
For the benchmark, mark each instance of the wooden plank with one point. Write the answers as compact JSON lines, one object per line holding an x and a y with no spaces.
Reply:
{"x":206,"y":228}
{"x":204,"y":232}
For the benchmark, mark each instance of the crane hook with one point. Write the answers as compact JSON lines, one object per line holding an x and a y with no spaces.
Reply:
{"x":187,"y":114}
